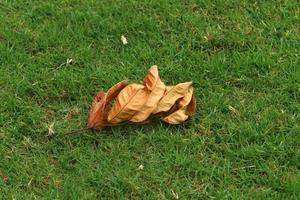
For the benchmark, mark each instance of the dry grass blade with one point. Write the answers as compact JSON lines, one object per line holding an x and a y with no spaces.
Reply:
{"x":234,"y":110}
{"x":51,"y":130}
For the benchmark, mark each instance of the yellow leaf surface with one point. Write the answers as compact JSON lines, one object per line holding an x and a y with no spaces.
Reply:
{"x":130,"y":100}
{"x":168,"y":88}
{"x":176,"y":117}
{"x":181,"y":114}
{"x":171,"y":96}
{"x":151,"y":78}
{"x":156,"y":88}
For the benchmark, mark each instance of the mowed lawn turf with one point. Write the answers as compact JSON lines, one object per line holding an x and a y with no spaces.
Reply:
{"x":242,"y":56}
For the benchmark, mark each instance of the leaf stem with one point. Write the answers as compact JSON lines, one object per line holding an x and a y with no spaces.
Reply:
{"x":76,"y":131}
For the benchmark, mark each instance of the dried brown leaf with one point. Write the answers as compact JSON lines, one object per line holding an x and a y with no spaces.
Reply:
{"x":139,"y":103}
{"x":168,"y":88}
{"x":99,"y":109}
{"x":156,"y":88}
{"x":191,"y":108}
{"x":181,"y":114}
{"x":169,"y":99}
{"x":97,"y":114}
{"x":129,"y":101}
{"x":176,"y":117}
{"x":113,"y":92}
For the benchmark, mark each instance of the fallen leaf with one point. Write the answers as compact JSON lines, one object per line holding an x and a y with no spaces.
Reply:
{"x":191,"y":108}
{"x":174,"y":107}
{"x":97,"y":114}
{"x":129,"y":101}
{"x":139,"y":103}
{"x":169,"y":99}
{"x":181,"y":114}
{"x":168,"y":88}
{"x":113,"y":92}
{"x":156,"y":88}
{"x":99,"y":109}
{"x":124,"y":40}
{"x":176,"y":117}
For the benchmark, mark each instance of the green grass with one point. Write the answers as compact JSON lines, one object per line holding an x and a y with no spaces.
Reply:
{"x":243,"y":54}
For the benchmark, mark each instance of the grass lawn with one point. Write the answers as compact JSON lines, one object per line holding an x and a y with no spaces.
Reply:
{"x":243,"y":54}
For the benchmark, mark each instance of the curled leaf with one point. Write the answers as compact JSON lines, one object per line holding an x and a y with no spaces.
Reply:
{"x":156,"y":88}
{"x":113,"y":92}
{"x":139,"y":103}
{"x":99,"y":109}
{"x":176,"y":117}
{"x":171,"y":96}
{"x":97,"y":114}
{"x":181,"y":114}
{"x":128,"y":102}
{"x":152,"y":78}
{"x":191,"y":108}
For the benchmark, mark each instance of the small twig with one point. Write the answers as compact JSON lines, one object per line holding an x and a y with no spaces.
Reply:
{"x":246,"y":167}
{"x":108,"y":125}
{"x":76,"y":131}
{"x":55,"y":69}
